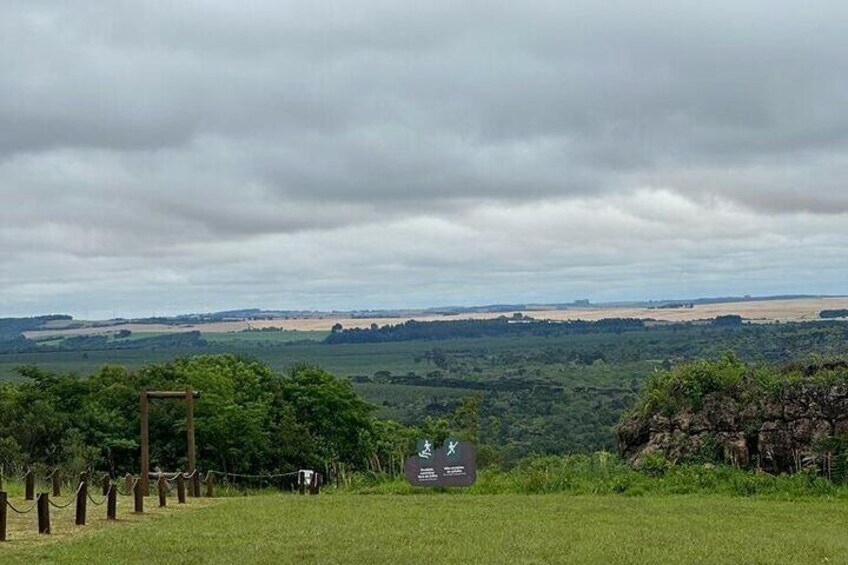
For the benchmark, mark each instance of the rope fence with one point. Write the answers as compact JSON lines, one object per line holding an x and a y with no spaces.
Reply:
{"x":130,"y":484}
{"x":102,"y":502}
{"x":19,"y":511}
{"x":186,"y":485}
{"x":241,"y":475}
{"x":30,"y":480}
{"x":71,"y":501}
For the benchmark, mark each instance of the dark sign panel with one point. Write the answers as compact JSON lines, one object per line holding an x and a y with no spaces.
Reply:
{"x":452,"y":465}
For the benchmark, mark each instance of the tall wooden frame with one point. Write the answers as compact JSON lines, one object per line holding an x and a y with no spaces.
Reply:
{"x":144,"y":395}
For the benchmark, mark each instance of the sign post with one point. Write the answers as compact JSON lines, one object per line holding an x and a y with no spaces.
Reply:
{"x":452,"y":465}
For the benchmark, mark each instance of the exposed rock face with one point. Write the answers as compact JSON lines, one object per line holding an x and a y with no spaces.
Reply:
{"x":777,"y":432}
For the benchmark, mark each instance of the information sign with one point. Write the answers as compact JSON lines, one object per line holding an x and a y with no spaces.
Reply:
{"x":452,"y":465}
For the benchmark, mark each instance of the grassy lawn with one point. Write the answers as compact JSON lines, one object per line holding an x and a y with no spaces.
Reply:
{"x":463,"y":529}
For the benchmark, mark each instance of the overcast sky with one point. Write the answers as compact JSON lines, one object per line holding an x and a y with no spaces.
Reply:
{"x":166,"y":157}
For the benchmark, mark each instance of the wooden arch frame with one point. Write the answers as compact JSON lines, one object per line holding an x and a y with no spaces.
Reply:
{"x":144,"y":395}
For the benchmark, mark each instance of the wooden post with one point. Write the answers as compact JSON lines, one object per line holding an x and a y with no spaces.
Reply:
{"x":3,"y":499}
{"x":313,"y":484}
{"x":195,"y":484}
{"x":57,"y":483}
{"x":105,"y":484}
{"x":181,"y":494}
{"x":112,"y":502}
{"x":189,"y":406}
{"x":138,"y":498}
{"x":29,"y":485}
{"x":43,"y":505}
{"x":82,"y":501}
{"x":301,"y":482}
{"x":145,"y":453}
{"x":210,"y":484}
{"x":162,"y":491}
{"x":128,"y":483}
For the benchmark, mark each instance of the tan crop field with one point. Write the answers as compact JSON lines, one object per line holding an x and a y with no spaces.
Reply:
{"x":790,"y":310}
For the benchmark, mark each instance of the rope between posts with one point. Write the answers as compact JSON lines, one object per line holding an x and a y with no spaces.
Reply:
{"x":175,"y":477}
{"x":243,"y":476}
{"x":61,"y":506}
{"x":131,"y":489}
{"x":71,"y":501}
{"x":105,"y":498}
{"x":27,"y":511}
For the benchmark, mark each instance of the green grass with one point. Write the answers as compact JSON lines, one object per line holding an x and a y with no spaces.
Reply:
{"x":466,"y":529}
{"x":267,"y":338}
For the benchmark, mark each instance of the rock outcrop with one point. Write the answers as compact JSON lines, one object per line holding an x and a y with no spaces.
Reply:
{"x":778,"y":431}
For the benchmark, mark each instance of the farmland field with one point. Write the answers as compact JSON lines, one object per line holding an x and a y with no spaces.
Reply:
{"x":772,"y":310}
{"x":345,"y":528}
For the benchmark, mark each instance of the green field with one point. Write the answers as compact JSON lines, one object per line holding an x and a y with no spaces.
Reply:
{"x":266,"y":338}
{"x":345,"y":528}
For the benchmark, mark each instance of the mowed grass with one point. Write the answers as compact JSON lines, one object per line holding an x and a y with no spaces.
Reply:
{"x":22,"y":529}
{"x":347,"y":528}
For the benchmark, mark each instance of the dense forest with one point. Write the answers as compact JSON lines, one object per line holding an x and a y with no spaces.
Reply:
{"x":516,"y":325}
{"x":251,"y":419}
{"x":248,"y":419}
{"x":562,"y":392}
{"x":832,"y":314}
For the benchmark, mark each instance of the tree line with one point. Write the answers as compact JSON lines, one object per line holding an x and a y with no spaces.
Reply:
{"x":248,"y":419}
{"x":503,"y":326}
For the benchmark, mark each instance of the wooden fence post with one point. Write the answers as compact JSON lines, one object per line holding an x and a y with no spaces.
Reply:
{"x":112,"y":502}
{"x":138,"y":497}
{"x":195,"y":484}
{"x":181,"y":493}
{"x":57,"y":483}
{"x":162,"y":492}
{"x":105,"y":484}
{"x":43,"y":505}
{"x":301,"y":482}
{"x":3,"y":499}
{"x":29,"y":485}
{"x":128,"y":483}
{"x":210,"y":484}
{"x":82,"y":501}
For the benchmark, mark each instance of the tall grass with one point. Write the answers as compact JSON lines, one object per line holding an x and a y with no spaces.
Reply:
{"x":606,"y":474}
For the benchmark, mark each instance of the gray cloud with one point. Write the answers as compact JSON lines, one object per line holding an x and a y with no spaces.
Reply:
{"x":187,"y":156}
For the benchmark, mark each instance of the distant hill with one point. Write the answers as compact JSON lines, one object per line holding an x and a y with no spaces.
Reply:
{"x":13,"y":327}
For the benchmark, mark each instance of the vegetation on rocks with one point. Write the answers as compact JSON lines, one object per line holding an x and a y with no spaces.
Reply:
{"x":758,"y":416}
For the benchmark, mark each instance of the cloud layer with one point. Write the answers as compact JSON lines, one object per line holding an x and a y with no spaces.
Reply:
{"x":195,"y":156}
